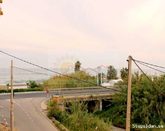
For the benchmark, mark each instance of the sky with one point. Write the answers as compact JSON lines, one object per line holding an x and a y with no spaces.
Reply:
{"x":95,"y":32}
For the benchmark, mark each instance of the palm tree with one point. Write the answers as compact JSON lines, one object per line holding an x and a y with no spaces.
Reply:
{"x":77,"y":66}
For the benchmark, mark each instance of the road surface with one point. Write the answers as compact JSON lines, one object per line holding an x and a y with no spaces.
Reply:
{"x":60,"y":92}
{"x":28,"y":115}
{"x":27,"y":107}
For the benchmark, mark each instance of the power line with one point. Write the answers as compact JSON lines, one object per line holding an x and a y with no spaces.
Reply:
{"x":142,"y":71}
{"x":152,"y":68}
{"x":41,"y":67}
{"x":25,"y":61}
{"x":39,"y":73}
{"x":149,"y":64}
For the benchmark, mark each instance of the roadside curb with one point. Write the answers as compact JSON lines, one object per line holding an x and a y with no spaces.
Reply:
{"x":44,"y":112}
{"x":117,"y":129}
{"x":44,"y":105}
{"x":59,"y":125}
{"x":55,"y":123}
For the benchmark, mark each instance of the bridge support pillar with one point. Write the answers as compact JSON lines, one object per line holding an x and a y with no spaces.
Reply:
{"x":100,"y":105}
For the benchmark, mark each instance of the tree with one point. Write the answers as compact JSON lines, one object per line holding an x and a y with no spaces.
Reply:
{"x":32,"y":84}
{"x":124,"y":73}
{"x":111,"y":73}
{"x":77,"y":66}
{"x":148,"y":102}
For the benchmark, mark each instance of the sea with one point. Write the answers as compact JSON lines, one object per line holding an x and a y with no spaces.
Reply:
{"x":22,"y":76}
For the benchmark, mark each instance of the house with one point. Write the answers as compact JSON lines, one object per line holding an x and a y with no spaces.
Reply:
{"x":111,"y":83}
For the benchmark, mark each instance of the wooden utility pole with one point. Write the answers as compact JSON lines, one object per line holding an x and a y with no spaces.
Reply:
{"x":97,"y":77}
{"x":128,"y":117}
{"x":11,"y":100}
{"x":101,"y":78}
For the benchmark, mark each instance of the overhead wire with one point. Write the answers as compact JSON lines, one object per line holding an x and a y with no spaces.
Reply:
{"x":34,"y":72}
{"x":142,"y":71}
{"x":149,"y":64}
{"x":151,"y":67}
{"x":44,"y":68}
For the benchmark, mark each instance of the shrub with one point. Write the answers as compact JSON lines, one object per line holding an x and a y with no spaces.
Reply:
{"x":22,"y":90}
{"x":148,"y":103}
{"x":77,"y":119}
{"x":73,"y":80}
{"x":32,"y":84}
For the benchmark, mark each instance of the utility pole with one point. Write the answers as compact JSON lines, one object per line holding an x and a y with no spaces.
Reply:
{"x":97,"y":77}
{"x":11,"y":100}
{"x":128,"y":117}
{"x":101,"y":77}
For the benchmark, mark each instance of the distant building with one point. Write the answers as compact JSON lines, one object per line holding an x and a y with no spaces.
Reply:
{"x":111,"y":83}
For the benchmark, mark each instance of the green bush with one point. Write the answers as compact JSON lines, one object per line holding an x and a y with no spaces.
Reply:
{"x":77,"y":119}
{"x":148,"y":102}
{"x":22,"y":90}
{"x":77,"y":79}
{"x":32,"y":84}
{"x":4,"y":91}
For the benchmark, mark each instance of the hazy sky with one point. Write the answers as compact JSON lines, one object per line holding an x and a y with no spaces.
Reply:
{"x":96,"y":32}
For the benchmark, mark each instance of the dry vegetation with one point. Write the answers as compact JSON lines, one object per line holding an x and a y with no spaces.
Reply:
{"x":4,"y":128}
{"x":2,"y":87}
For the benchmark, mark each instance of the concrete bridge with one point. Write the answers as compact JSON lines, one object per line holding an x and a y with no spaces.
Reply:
{"x":96,"y":98}
{"x":94,"y":101}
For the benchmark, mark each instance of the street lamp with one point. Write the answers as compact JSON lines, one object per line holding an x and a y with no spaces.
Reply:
{"x":100,"y":71}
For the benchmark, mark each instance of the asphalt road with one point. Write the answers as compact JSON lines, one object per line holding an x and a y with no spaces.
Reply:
{"x":63,"y":92}
{"x":27,"y":107}
{"x":28,"y":115}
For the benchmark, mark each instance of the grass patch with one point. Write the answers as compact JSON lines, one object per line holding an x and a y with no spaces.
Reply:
{"x":77,"y":79}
